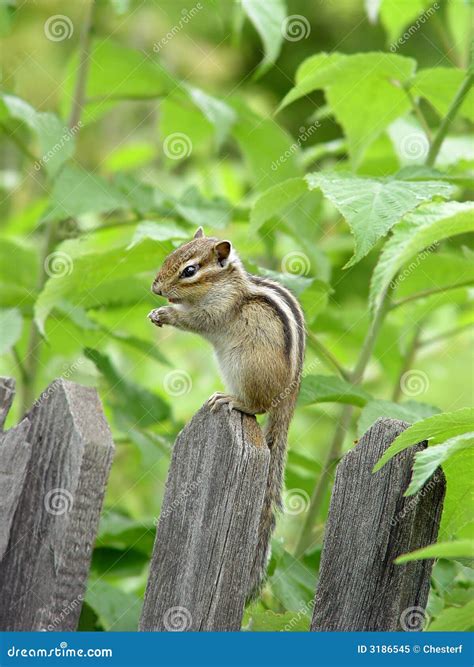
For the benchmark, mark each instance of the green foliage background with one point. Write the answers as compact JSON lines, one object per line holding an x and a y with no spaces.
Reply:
{"x":330,"y":142}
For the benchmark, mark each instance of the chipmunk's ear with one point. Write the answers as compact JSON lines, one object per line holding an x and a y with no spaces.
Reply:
{"x":222,"y":249}
{"x":199,"y":234}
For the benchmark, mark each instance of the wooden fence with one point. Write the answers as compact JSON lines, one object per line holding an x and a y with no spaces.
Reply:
{"x":54,"y":467}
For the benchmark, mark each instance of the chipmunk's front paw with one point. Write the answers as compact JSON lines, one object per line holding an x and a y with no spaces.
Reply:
{"x":219,"y":399}
{"x":160,"y":316}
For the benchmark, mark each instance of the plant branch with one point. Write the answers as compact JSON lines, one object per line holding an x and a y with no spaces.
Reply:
{"x":327,"y":356}
{"x":448,"y":119}
{"x":342,"y":428}
{"x":407,"y":362}
{"x":428,"y":292}
{"x":18,"y":142}
{"x":20,"y":365}
{"x":81,"y":81}
{"x":418,"y":112}
{"x":447,"y":334}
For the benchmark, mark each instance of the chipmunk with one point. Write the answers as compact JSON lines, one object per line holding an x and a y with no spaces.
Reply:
{"x":257,"y":329}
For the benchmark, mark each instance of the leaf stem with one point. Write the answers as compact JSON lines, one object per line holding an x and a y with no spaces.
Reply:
{"x":342,"y":428}
{"x":407,"y":362}
{"x":428,"y":292}
{"x":327,"y":356}
{"x":81,"y":81}
{"x":447,"y":334}
{"x":418,"y":112}
{"x":448,"y":119}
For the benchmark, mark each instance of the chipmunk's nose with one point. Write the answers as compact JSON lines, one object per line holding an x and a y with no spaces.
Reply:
{"x":156,"y":289}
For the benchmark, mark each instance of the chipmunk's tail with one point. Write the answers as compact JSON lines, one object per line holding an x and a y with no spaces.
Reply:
{"x":276,"y":437}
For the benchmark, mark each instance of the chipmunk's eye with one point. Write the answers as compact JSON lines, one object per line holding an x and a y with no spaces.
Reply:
{"x":189,"y":271}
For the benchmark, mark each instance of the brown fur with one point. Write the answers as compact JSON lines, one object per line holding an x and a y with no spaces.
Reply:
{"x":257,"y":330}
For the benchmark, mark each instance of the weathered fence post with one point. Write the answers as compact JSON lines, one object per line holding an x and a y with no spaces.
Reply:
{"x":207,"y":533}
{"x":54,"y":466}
{"x":371,"y":523}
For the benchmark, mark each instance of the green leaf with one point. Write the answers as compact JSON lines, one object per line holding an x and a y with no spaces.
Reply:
{"x":11,"y":324}
{"x":371,"y":206}
{"x":330,"y":389}
{"x":428,"y":460}
{"x":455,"y":549}
{"x":19,"y":263}
{"x":135,"y":403}
{"x":292,"y":582}
{"x":56,"y":141}
{"x":269,"y":621}
{"x":366,"y":109}
{"x":435,"y":430}
{"x":120,"y":531}
{"x":396,"y":15}
{"x":270,"y":152}
{"x":457,"y":520}
{"x":217,"y":112}
{"x":77,"y":192}
{"x":411,"y":412}
{"x":268,"y":20}
{"x":454,"y":619}
{"x":115,"y":609}
{"x":91,"y":278}
{"x":276,"y":198}
{"x":116,"y":72}
{"x":439,"y":86}
{"x":194,"y":208}
{"x":437,"y":271}
{"x":420,"y":229}
{"x":158,"y":231}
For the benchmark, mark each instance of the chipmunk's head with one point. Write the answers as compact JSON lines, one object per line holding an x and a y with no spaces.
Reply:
{"x":194,"y":269}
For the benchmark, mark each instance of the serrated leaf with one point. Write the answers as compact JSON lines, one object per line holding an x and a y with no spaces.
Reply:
{"x":454,"y":549}
{"x":372,"y":206}
{"x":411,"y":412}
{"x":330,"y":389}
{"x":217,"y":112}
{"x":11,"y":324}
{"x":56,"y":141}
{"x":268,"y":20}
{"x":292,"y":582}
{"x":198,"y":210}
{"x":435,"y":430}
{"x":133,"y":401}
{"x":276,"y":199}
{"x":428,"y":460}
{"x":457,"y":520}
{"x":366,"y":109}
{"x":420,"y":229}
{"x":454,"y":619}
